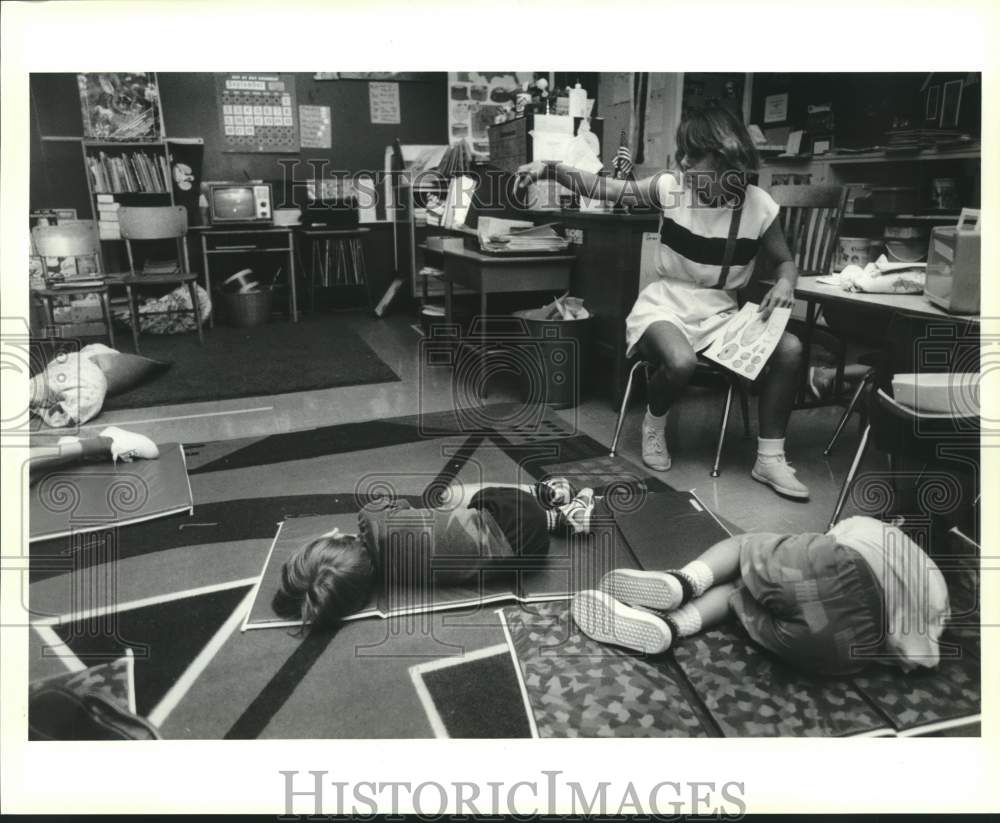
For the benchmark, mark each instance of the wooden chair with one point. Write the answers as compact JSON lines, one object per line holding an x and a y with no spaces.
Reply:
{"x":811,"y":217}
{"x":78,"y":241}
{"x":152,"y":223}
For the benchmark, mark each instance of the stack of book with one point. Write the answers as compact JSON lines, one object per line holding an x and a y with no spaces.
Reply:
{"x":499,"y":236}
{"x":919,"y":138}
{"x":128,"y":172}
{"x":107,"y":217}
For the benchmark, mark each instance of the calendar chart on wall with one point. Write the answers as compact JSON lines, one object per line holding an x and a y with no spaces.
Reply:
{"x":258,"y":112}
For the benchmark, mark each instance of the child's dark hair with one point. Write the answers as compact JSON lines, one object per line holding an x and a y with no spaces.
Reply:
{"x":324,"y":581}
{"x":716,"y":130}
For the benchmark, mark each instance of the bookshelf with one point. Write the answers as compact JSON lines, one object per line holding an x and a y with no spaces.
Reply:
{"x":130,"y":173}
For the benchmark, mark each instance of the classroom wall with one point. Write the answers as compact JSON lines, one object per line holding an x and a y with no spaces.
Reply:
{"x":189,"y":102}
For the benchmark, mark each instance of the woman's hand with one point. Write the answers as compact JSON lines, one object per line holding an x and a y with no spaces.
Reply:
{"x":781,"y":294}
{"x":530,"y":172}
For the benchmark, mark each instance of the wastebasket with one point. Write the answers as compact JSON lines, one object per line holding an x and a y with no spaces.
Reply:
{"x":252,"y":308}
{"x":561,"y":349}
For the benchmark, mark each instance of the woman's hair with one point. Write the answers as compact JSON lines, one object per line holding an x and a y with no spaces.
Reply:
{"x":324,"y":581}
{"x":716,"y":130}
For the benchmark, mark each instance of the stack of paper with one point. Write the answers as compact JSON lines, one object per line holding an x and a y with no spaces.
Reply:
{"x":518,"y":237}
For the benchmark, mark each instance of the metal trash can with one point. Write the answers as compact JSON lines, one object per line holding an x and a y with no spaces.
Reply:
{"x":561,"y":349}
{"x":252,"y":308}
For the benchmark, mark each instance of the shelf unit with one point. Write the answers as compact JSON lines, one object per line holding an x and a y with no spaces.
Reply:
{"x":880,"y":168}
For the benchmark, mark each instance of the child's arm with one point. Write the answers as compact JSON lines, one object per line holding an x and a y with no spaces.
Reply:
{"x":626,"y":192}
{"x":782,"y":293}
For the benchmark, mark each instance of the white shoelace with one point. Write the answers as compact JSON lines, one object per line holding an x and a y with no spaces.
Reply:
{"x":656,"y":441}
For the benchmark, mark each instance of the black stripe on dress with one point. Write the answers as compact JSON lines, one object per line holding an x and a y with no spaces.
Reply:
{"x":709,"y":251}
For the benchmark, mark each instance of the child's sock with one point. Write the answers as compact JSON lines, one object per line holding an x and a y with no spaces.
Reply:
{"x":684,"y":621}
{"x":656,"y":421}
{"x":699,"y":577}
{"x":770,"y":448}
{"x":554,"y":491}
{"x":575,"y":515}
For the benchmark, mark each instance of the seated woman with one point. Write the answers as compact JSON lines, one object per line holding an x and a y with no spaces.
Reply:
{"x":827,"y":603}
{"x":713,"y":223}
{"x":332,"y":577}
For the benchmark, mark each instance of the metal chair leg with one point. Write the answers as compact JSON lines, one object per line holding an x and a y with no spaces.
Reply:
{"x":847,"y":414}
{"x":744,"y":407}
{"x":722,"y":430}
{"x":624,"y":407}
{"x":849,"y":480}
{"x":134,"y":312}
{"x":196,"y":308}
{"x":106,"y":309}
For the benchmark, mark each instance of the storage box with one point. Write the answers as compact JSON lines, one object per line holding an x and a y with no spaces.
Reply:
{"x":953,"y":270}
{"x":947,"y":393}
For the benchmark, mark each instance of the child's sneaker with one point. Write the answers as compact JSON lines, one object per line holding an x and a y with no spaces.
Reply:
{"x":654,"y":447}
{"x":127,"y":446}
{"x":776,"y":473}
{"x":576,"y":513}
{"x":604,"y":619}
{"x":654,"y":590}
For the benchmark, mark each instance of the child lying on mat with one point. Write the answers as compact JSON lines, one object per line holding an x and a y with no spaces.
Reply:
{"x":332,"y":576}
{"x":111,"y":444}
{"x":828,"y":603}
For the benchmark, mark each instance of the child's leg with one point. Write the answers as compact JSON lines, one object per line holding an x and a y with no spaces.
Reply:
{"x":43,"y":460}
{"x":607,"y":620}
{"x":775,"y":406}
{"x":666,"y":590}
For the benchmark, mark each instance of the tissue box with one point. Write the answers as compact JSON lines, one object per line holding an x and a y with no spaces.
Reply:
{"x":946,"y":393}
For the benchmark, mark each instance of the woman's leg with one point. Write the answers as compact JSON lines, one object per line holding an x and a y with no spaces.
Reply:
{"x":673,"y":362}
{"x":778,"y":387}
{"x":667,"y":349}
{"x":775,"y":406}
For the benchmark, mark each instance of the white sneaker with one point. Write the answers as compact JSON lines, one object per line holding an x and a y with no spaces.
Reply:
{"x":654,"y":447}
{"x":654,"y":590}
{"x":127,"y":446}
{"x":604,"y":619}
{"x":780,"y":476}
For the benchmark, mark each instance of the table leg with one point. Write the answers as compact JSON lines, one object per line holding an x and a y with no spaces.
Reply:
{"x":483,"y":377}
{"x":291,"y":276}
{"x":807,"y":350}
{"x":208,"y":277}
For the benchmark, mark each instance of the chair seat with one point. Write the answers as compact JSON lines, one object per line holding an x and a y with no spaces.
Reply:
{"x":67,"y":291}
{"x":155,"y":279}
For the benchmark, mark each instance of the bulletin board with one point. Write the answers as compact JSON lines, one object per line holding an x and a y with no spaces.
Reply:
{"x":257,"y":113}
{"x":475,"y":98}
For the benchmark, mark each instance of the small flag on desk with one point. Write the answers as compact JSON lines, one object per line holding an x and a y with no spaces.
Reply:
{"x":622,"y":162}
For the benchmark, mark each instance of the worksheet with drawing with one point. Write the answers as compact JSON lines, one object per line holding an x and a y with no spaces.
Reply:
{"x":746,"y":342}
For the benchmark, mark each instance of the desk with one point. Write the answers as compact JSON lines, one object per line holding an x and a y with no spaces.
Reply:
{"x":344,"y":267}
{"x":815,"y":294}
{"x":606,"y":275}
{"x":493,"y":274}
{"x":249,"y":240}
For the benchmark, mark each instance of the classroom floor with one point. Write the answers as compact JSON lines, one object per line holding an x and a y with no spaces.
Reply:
{"x":215,"y":681}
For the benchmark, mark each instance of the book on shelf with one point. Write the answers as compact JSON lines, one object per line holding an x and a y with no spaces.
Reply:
{"x":128,"y":172}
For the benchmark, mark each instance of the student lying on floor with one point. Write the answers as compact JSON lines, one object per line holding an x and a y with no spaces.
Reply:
{"x":332,"y":577}
{"x":111,"y":444}
{"x":713,"y":223}
{"x":826,"y":603}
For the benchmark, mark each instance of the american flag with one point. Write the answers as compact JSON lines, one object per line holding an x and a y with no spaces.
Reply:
{"x":622,"y":162}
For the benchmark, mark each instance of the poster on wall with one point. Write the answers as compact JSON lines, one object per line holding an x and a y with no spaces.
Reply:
{"x":257,"y":113}
{"x":120,"y":106}
{"x":314,"y":127}
{"x":476,"y":99}
{"x":383,"y":102}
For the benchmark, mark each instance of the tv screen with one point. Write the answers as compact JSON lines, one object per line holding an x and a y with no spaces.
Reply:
{"x":233,"y":203}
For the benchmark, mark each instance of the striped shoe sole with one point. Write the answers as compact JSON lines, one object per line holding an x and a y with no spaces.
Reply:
{"x":655,"y":590}
{"x":604,"y":619}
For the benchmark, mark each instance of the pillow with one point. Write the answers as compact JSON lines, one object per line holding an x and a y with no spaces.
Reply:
{"x":124,"y":370}
{"x":70,"y":392}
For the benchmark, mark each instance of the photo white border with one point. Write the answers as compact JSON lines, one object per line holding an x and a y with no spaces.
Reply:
{"x":233,"y":777}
